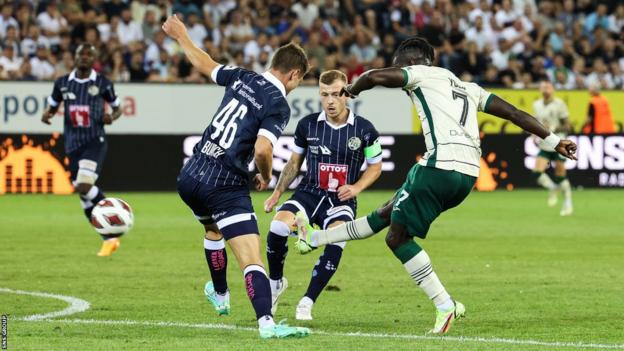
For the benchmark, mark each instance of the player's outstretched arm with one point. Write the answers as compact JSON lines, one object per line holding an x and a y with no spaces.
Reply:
{"x":501,"y":108}
{"x":287,"y":176}
{"x":200,"y":59}
{"x":263,"y":155}
{"x":391,"y":77}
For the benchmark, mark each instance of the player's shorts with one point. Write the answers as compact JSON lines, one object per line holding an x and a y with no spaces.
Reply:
{"x":551,"y":155}
{"x":426,"y":193}
{"x":321,"y":210}
{"x":85,"y":163}
{"x":227,"y":206}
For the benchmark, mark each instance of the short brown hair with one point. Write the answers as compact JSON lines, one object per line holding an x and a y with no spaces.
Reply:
{"x":288,"y":57}
{"x":328,"y":77}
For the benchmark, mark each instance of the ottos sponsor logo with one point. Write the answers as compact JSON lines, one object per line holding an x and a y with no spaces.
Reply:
{"x":328,"y":167}
{"x":332,"y":176}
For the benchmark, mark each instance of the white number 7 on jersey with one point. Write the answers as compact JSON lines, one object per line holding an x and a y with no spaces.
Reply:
{"x":227,"y":131}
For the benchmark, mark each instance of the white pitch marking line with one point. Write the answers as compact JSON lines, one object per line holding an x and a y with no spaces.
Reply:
{"x":460,"y":339}
{"x":76,"y":305}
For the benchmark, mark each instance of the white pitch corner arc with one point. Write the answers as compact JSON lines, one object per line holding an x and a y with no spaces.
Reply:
{"x":76,"y":305}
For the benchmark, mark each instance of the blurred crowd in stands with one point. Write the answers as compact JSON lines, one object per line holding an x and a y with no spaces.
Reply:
{"x":504,"y":43}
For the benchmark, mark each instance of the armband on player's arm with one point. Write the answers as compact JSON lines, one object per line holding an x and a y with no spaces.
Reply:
{"x":372,"y":153}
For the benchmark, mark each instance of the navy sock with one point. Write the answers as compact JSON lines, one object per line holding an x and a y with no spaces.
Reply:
{"x":216,"y":257}
{"x":277,"y":249}
{"x":90,"y":199}
{"x":324,"y":270}
{"x":258,"y":290}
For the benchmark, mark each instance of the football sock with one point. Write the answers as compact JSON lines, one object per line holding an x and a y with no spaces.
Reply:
{"x":360,"y":228}
{"x":216,"y":257}
{"x":277,"y":248}
{"x":544,"y":180}
{"x":418,"y":266}
{"x":566,"y":188}
{"x":90,"y":199}
{"x":259,"y":292}
{"x":323,"y":271}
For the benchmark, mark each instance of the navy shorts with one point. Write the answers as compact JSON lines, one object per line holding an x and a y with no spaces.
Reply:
{"x":93,"y":151}
{"x":227,"y":206}
{"x":321,"y":210}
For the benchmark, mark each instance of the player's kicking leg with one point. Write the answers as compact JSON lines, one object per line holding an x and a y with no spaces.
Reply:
{"x":562,"y":180}
{"x":360,"y":228}
{"x":277,"y":250}
{"x":426,"y":193}
{"x":541,"y":163}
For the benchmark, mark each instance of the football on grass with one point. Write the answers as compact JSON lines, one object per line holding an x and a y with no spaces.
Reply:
{"x":112,"y":217}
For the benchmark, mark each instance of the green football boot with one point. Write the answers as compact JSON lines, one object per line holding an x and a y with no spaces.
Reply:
{"x":220,"y":304}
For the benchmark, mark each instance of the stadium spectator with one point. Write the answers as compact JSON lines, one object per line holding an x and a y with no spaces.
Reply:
{"x":306,"y":12}
{"x":6,"y":19}
{"x":473,"y":38}
{"x":52,"y":23}
{"x":41,"y":67}
{"x":128,"y":31}
{"x":10,"y":63}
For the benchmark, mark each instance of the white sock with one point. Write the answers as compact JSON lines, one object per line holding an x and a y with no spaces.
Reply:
{"x":306,"y":301}
{"x":419,"y":268}
{"x":545,"y":181}
{"x":567,"y":190}
{"x":265,"y":321}
{"x":275,"y":285}
{"x":222,"y":297}
{"x":92,"y":193}
{"x":354,"y":230}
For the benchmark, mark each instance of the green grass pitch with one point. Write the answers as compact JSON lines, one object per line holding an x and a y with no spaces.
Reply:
{"x":530,"y":280}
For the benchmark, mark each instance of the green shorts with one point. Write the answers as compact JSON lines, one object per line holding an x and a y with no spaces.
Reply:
{"x":426,"y":193}
{"x":551,"y":155}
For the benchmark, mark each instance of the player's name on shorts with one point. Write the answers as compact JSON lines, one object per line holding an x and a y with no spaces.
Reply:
{"x":212,"y":150}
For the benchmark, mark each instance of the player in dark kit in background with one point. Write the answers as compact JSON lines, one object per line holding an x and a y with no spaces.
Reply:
{"x":214,"y":184}
{"x":335,"y":143}
{"x":83,"y":92}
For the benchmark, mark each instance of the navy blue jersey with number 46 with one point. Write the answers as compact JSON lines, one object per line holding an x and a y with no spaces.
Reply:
{"x":253,"y":104}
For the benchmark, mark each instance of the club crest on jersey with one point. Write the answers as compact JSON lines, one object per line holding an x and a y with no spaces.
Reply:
{"x":354,"y":143}
{"x":93,"y":90}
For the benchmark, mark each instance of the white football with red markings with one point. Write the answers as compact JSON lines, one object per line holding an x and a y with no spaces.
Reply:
{"x":112,"y":217}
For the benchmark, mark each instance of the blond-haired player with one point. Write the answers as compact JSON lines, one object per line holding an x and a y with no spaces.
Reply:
{"x":335,"y":142}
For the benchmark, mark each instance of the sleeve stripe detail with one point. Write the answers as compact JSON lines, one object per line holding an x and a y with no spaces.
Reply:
{"x":405,"y":77}
{"x":373,"y":160}
{"x":213,"y":74}
{"x":52,"y":102}
{"x":267,"y":134}
{"x":117,"y":102}
{"x":487,"y":103}
{"x":298,"y":149}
